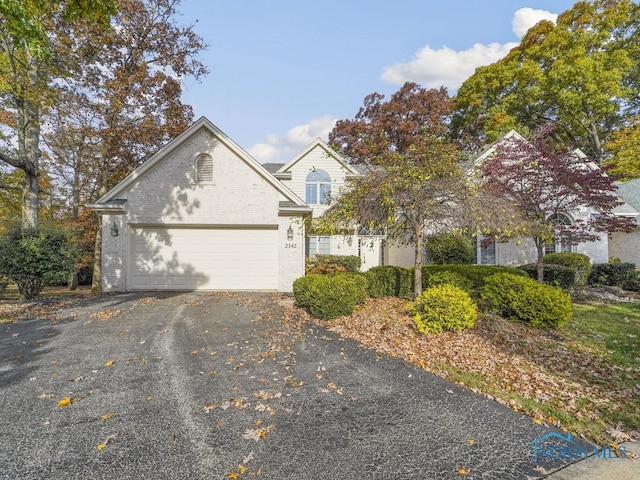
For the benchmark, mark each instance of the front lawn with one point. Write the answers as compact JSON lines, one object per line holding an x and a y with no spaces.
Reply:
{"x":583,"y":377}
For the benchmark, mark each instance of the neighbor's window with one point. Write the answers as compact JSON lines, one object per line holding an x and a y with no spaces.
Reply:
{"x":204,"y":169}
{"x":485,"y":250}
{"x":561,"y":243}
{"x":318,"y":245}
{"x":318,"y":187}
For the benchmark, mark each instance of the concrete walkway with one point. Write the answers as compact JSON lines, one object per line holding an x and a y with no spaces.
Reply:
{"x":215,"y":386}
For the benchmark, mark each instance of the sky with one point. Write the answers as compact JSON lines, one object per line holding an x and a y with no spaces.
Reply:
{"x":282,"y":72}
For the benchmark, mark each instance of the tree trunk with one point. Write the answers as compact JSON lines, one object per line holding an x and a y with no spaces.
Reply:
{"x":417,"y":275}
{"x":539,"y":262}
{"x":29,"y":150}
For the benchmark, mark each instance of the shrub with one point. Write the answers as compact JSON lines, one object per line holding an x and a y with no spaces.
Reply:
{"x":614,"y":273}
{"x":475,"y":273}
{"x":450,"y":278}
{"x":4,"y":283}
{"x":388,"y":281}
{"x":34,"y":258}
{"x":580,"y":263}
{"x":327,"y":264}
{"x":556,"y":275}
{"x":522,"y":298}
{"x":449,"y":248}
{"x":330,"y":296}
{"x":443,"y":307}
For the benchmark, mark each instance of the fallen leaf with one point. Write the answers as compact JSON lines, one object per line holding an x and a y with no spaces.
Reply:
{"x":108,"y":363}
{"x":46,"y":395}
{"x":106,"y":441}
{"x":463,"y":471}
{"x":241,"y":469}
{"x":248,"y":457}
{"x":107,"y":416}
{"x":470,"y":441}
{"x":65,"y":402}
{"x":233,"y":475}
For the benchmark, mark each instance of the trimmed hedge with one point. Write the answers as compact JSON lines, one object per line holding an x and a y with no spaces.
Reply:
{"x":389,"y":281}
{"x":330,"y":296}
{"x":450,"y":278}
{"x":615,"y":273}
{"x":327,"y":264}
{"x":556,"y":275}
{"x":449,"y":248}
{"x":476,"y":274}
{"x":580,"y":263}
{"x":443,"y":307}
{"x":516,"y":297}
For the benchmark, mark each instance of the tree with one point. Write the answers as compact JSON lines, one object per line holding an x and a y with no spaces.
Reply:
{"x":544,"y":184}
{"x":413,"y":180}
{"x":28,"y":32}
{"x":122,"y":103}
{"x":580,"y":73}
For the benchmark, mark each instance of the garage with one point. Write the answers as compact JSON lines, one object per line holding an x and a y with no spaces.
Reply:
{"x":195,"y":258}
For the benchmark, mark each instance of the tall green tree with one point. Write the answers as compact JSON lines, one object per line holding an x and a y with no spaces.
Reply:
{"x":29,"y":31}
{"x":581,"y":73}
{"x":414,"y":182}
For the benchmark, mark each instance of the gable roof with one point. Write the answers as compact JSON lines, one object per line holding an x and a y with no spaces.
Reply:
{"x":629,"y":192}
{"x":318,"y":142}
{"x":109,"y":201}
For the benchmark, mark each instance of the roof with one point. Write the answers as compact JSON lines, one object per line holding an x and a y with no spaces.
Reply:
{"x":630,"y":192}
{"x":272,"y":167}
{"x":106,"y":202}
{"x":318,"y":142}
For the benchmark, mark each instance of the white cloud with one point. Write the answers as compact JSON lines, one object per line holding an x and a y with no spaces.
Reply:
{"x":433,"y":68}
{"x":282,"y":148}
{"x":526,"y":17}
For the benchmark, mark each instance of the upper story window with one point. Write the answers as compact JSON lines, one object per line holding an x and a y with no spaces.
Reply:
{"x":561,"y":242}
{"x":318,"y":187}
{"x":204,"y":168}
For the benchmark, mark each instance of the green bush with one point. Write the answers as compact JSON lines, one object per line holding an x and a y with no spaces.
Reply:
{"x":330,"y":296}
{"x":556,"y":275}
{"x":615,"y":273}
{"x":4,"y":283}
{"x":443,"y":307}
{"x":521,"y":298}
{"x":388,"y":281}
{"x":475,"y":273}
{"x":450,"y":278}
{"x":580,"y":263}
{"x":34,"y":258}
{"x":333,"y":263}
{"x":449,"y":248}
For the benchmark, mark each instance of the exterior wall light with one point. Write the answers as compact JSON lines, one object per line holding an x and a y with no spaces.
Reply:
{"x":289,"y":233}
{"x":114,"y":230}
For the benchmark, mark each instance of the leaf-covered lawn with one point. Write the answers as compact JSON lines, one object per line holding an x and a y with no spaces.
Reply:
{"x":584,"y":377}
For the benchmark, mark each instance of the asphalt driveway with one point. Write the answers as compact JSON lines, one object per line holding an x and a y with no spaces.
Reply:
{"x":203,"y":385}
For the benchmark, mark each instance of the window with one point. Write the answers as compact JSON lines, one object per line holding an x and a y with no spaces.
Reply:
{"x":204,"y":169}
{"x":318,"y":245}
{"x":485,"y":250}
{"x":318,"y":187}
{"x":562,"y":241}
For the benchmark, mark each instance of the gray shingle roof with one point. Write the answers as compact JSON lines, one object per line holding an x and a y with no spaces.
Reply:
{"x":630,"y":192}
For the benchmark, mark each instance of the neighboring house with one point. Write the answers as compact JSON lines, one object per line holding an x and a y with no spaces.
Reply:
{"x":201,"y":214}
{"x":626,"y":246}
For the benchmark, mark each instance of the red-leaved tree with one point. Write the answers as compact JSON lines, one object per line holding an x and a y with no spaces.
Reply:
{"x":541,"y":182}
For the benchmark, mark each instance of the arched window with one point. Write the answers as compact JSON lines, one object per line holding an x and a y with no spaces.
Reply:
{"x":318,"y":187}
{"x":204,"y":168}
{"x":562,"y":241}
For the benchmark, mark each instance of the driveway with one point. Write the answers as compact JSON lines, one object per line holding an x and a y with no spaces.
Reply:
{"x":215,"y":385}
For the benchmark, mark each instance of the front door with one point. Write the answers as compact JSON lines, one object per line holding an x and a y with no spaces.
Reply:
{"x":370,"y":251}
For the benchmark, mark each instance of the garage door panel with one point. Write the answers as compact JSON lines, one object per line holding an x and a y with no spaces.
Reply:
{"x":191,"y":258}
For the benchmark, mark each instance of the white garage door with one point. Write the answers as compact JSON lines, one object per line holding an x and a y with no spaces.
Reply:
{"x":205,"y":259}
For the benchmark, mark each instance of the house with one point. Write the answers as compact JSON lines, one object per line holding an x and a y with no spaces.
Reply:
{"x":201,"y":214}
{"x":626,"y":246}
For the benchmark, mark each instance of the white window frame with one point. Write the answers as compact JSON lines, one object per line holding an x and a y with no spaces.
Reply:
{"x":318,"y":245}
{"x":317,"y":187}
{"x":558,"y":244}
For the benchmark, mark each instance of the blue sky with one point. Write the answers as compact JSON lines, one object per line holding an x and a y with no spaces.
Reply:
{"x":282,"y":71}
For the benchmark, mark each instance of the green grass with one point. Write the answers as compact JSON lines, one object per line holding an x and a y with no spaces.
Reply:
{"x":612,"y":331}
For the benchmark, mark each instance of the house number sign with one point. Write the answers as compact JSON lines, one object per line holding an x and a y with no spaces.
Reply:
{"x":290,"y":245}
